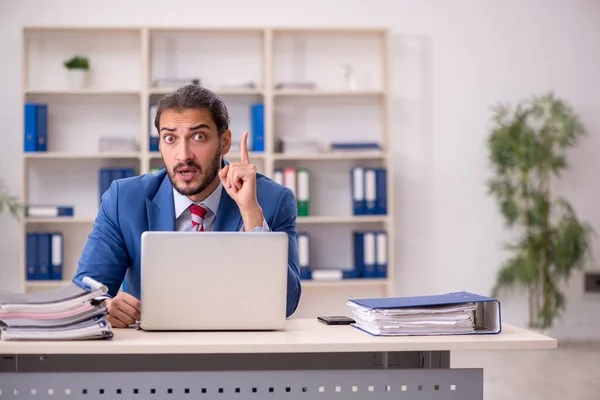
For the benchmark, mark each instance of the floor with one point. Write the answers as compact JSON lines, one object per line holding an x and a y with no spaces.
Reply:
{"x":572,"y":371}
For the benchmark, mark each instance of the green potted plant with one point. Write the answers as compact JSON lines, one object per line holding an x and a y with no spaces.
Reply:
{"x":78,"y":68}
{"x":9,"y":203}
{"x":527,"y":148}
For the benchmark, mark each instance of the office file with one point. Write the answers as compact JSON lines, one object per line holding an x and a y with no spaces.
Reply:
{"x":31,"y":255}
{"x":257,"y":118}
{"x":381,"y":254}
{"x":36,"y":127}
{"x":445,"y":314}
{"x":303,"y":184}
{"x":41,"y":211}
{"x":380,"y":191}
{"x":66,"y":313}
{"x":56,"y":256}
{"x":370,"y":191}
{"x":366,"y":253}
{"x":278,"y":176}
{"x":44,"y":256}
{"x":289,"y":180}
{"x":357,"y":176}
{"x":107,"y":175}
{"x":304,"y":255}
{"x":153,"y":135}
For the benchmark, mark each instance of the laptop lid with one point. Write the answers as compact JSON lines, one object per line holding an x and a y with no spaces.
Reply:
{"x":213,"y":280}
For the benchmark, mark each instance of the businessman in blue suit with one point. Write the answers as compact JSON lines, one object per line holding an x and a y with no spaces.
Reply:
{"x":197,"y":191}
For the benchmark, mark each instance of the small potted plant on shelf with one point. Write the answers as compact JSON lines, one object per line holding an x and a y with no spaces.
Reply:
{"x":9,"y":203}
{"x":78,"y":68}
{"x":527,"y":147}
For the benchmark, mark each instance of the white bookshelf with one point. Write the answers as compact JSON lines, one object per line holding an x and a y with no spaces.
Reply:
{"x":125,"y":62}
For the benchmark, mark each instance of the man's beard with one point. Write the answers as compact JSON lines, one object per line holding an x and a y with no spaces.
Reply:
{"x":209,"y":177}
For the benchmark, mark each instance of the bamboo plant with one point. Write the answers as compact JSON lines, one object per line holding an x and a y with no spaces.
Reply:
{"x":527,"y":148}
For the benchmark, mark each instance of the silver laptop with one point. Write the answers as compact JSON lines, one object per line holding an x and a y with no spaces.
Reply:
{"x":213,"y":280}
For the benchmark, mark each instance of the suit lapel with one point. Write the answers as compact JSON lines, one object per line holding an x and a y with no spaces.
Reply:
{"x":228,"y":214}
{"x":161,"y":209}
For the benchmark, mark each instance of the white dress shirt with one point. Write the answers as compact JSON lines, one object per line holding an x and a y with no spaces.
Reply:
{"x":183,"y":215}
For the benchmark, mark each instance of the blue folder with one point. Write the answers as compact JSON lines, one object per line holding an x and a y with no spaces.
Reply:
{"x":488,"y":318}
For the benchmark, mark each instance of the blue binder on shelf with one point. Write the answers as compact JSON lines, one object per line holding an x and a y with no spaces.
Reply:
{"x":36,"y":127}
{"x":257,"y":118}
{"x":487,"y":313}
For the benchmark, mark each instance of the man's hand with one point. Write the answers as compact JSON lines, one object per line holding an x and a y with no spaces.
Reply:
{"x":239,"y":180}
{"x":123,"y":310}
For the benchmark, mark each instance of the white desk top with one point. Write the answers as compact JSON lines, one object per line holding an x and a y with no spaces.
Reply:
{"x":299,"y":336}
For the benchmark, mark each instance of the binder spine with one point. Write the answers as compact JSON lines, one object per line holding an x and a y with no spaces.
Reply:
{"x":42,"y":127}
{"x":357,"y":176}
{"x":370,"y":191}
{"x":303,"y":176}
{"x":32,"y":256}
{"x":153,"y":134}
{"x":257,"y":115}
{"x":381,"y":191}
{"x":30,"y":128}
{"x":381,"y":257}
{"x":44,"y":249}
{"x":304,"y":255}
{"x":56,"y":272}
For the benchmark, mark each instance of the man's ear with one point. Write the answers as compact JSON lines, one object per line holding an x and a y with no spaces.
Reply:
{"x":226,"y":142}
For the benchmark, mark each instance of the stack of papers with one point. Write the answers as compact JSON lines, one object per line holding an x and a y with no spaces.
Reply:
{"x":438,"y":320}
{"x":67,"y":313}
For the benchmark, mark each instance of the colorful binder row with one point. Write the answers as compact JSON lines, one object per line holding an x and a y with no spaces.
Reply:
{"x":44,"y":256}
{"x":36,"y":127}
{"x":107,"y":175}
{"x":298,"y":180}
{"x":257,"y":128}
{"x":369,"y":191}
{"x":370,"y":258}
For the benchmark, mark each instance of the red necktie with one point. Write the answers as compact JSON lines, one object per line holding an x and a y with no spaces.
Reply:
{"x":198,"y":213}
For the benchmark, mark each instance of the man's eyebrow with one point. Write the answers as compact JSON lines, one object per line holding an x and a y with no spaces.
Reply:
{"x":192,"y":128}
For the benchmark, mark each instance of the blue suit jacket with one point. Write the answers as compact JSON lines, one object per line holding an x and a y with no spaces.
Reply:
{"x":134,"y":205}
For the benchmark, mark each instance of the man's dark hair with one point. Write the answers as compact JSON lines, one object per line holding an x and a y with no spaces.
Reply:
{"x":194,"y":96}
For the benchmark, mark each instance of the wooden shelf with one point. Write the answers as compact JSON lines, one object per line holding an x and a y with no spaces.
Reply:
{"x":221,"y":92}
{"x":91,"y":156}
{"x":331,"y":156}
{"x":263,"y":55}
{"x":350,"y":219}
{"x":345,"y":283}
{"x":91,"y":92}
{"x":60,"y":220}
{"x":327,"y":92}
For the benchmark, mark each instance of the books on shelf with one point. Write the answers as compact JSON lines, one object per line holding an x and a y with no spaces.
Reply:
{"x":257,"y":130}
{"x":36,"y":127}
{"x":446,"y":314}
{"x":298,"y":181}
{"x":66,"y":313}
{"x":370,"y":258}
{"x":107,"y":175}
{"x":44,"y":256}
{"x":48,"y":211}
{"x":369,"y":191}
{"x":370,"y":254}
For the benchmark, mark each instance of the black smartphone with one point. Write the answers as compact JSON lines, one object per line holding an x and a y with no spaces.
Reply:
{"x":336,"y":320}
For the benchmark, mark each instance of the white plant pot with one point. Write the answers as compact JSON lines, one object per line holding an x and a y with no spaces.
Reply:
{"x":78,"y":78}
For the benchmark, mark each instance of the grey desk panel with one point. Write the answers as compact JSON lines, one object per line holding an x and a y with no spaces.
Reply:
{"x":408,"y":384}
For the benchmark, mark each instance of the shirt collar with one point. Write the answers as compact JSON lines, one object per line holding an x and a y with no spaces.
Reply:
{"x":183,"y":202}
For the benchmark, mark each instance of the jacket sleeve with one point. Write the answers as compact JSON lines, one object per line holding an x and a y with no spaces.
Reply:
{"x":285,"y":221}
{"x":104,"y":257}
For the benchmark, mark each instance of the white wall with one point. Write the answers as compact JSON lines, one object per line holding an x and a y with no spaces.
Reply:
{"x":451,"y":61}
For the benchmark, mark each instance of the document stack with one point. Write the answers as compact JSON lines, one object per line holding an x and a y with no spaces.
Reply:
{"x":447,"y":314}
{"x":67,"y":313}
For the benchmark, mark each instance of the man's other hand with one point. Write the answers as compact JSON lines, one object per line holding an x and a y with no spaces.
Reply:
{"x":123,"y":310}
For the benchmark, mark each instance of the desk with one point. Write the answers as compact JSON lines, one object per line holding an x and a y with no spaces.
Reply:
{"x":308,"y":360}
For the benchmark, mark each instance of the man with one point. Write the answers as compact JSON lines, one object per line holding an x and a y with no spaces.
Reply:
{"x":197,"y":191}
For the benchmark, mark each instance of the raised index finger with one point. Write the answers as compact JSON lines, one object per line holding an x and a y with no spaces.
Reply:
{"x":244,"y":158}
